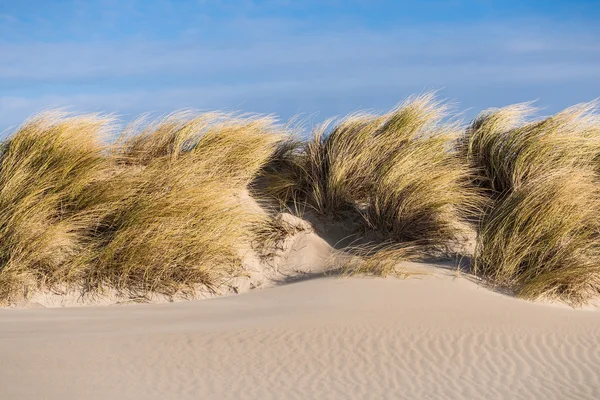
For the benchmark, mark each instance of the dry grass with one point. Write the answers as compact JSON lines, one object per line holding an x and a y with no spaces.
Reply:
{"x":178,"y":218}
{"x":507,"y":151}
{"x":45,"y":171}
{"x":540,"y":233}
{"x":270,"y":234}
{"x":398,"y":174}
{"x":160,"y":210}
{"x":384,"y":259}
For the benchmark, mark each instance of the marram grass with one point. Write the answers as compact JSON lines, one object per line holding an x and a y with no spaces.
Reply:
{"x":162,"y":208}
{"x":398,"y":174}
{"x":46,"y":167}
{"x":540,"y":234}
{"x":158,"y":210}
{"x":542,"y":238}
{"x":177,"y":217}
{"x":507,"y":150}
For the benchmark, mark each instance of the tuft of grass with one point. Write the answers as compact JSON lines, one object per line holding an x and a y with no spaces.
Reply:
{"x":506,"y":150}
{"x":542,"y":239}
{"x":270,"y":234}
{"x":46,"y":167}
{"x":235,"y":146}
{"x":162,"y":209}
{"x":540,"y":233}
{"x":384,"y":259}
{"x":177,"y":214}
{"x":399,"y":174}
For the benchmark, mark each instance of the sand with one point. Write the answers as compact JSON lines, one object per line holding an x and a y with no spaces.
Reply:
{"x":436,"y":337}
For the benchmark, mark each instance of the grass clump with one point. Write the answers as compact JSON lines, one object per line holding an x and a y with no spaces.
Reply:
{"x":398,"y":175}
{"x":506,"y":150}
{"x":162,"y":209}
{"x":271,"y":234}
{"x":540,"y":232}
{"x":384,"y":259}
{"x":178,"y":218}
{"x":46,"y":167}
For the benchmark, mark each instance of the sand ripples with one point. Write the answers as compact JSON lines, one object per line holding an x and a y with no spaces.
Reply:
{"x":352,"y":339}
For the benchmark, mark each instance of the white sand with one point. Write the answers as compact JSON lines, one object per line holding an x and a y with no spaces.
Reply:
{"x":430,"y":338}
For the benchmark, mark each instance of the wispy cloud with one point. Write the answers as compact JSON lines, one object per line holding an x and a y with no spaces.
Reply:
{"x":275,"y":68}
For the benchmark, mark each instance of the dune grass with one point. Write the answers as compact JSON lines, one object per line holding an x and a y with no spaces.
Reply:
{"x":178,"y":217}
{"x":45,"y":169}
{"x":161,"y":209}
{"x":398,"y":174}
{"x":506,"y":150}
{"x":540,"y":233}
{"x":383,"y":259}
{"x":166,"y":207}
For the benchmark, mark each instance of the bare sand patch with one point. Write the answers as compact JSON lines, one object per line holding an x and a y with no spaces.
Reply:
{"x":433,"y":337}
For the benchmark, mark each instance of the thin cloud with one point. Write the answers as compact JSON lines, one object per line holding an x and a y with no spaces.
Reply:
{"x":324,"y":70}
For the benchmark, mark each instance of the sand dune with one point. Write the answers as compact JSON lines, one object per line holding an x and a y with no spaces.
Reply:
{"x":430,"y":338}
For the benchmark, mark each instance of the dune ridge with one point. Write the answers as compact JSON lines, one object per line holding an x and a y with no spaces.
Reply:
{"x":197,"y":205}
{"x":214,"y":205}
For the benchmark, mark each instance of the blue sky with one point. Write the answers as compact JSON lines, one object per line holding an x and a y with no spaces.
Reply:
{"x":317,"y":58}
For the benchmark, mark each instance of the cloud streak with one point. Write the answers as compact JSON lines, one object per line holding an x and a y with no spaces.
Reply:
{"x":328,"y":70}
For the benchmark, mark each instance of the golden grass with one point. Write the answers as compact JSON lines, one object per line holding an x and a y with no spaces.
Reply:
{"x":165,"y":207}
{"x":270,"y":234}
{"x":384,"y":259}
{"x":184,"y":221}
{"x":540,"y":232}
{"x":159,"y":210}
{"x":399,"y":174}
{"x":45,"y":169}
{"x":543,"y":238}
{"x":507,"y":151}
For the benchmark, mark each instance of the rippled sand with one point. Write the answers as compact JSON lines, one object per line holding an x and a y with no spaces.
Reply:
{"x":359,"y":338}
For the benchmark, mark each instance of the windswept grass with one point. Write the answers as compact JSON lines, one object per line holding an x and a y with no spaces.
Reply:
{"x":271,"y":234}
{"x":234,"y":146}
{"x":178,"y":219}
{"x":543,"y":237}
{"x":46,"y":167}
{"x":380,"y":260}
{"x":159,"y":210}
{"x":165,"y":207}
{"x":506,"y":150}
{"x":399,"y":174}
{"x":540,"y":234}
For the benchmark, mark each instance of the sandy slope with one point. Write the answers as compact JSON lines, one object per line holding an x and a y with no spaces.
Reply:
{"x":327,"y":338}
